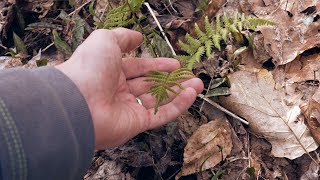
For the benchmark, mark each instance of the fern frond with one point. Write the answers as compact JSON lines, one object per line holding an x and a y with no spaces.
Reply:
{"x":182,"y":58}
{"x":186,"y":47}
{"x":196,"y":57}
{"x":200,"y":34}
{"x":211,"y":38}
{"x":208,"y":27}
{"x":164,"y":82}
{"x":233,"y":28}
{"x":216,"y":41}
{"x":208,"y":46}
{"x":122,"y":16}
{"x":253,"y":23}
{"x":224,"y":34}
{"x":194,"y":43}
{"x":235,"y":18}
{"x":226,"y":21}
{"x":218,"y":24}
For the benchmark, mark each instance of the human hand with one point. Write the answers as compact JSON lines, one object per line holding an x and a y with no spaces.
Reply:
{"x":110,"y":85}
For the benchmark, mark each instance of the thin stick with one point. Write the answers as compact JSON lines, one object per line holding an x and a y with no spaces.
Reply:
{"x":172,"y":6}
{"x":80,"y":7}
{"x":2,"y":46}
{"x":46,"y":48}
{"x":223,"y":109}
{"x":159,"y":26}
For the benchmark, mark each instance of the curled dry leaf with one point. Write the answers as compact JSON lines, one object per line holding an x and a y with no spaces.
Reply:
{"x":311,"y":173}
{"x":304,"y":68}
{"x":312,"y":113}
{"x":208,"y":146}
{"x":294,"y":34}
{"x":254,"y":96}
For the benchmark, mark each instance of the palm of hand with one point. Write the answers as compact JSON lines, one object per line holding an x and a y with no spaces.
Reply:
{"x":110,"y":85}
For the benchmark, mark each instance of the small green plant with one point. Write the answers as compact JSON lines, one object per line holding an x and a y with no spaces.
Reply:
{"x":203,"y":44}
{"x":164,"y":82}
{"x":205,"y":41}
{"x":122,"y":16}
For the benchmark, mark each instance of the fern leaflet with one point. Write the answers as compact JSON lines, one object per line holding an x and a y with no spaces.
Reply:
{"x":164,"y":82}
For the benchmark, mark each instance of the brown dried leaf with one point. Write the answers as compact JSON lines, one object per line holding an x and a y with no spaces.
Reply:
{"x":185,"y":7}
{"x":304,"y":69}
{"x":209,"y":145}
{"x":293,"y":35}
{"x":312,"y":113}
{"x":255,"y":97}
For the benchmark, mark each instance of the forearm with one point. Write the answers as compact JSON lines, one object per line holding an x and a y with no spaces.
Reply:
{"x":46,"y":130}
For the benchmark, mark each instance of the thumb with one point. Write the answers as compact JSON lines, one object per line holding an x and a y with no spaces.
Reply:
{"x":127,"y":39}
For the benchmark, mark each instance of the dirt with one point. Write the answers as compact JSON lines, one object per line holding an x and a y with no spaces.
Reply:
{"x":288,"y":53}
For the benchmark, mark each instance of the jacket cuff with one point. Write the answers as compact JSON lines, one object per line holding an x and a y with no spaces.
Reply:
{"x":47,"y":130}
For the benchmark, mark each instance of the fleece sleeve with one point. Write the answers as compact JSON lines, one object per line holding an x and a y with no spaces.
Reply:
{"x":46,"y":130}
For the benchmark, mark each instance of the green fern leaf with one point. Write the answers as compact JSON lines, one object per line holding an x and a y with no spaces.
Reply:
{"x":208,"y":46}
{"x":122,"y":16}
{"x":196,"y":57}
{"x":226,"y":21}
{"x":253,"y":23}
{"x":240,"y":26}
{"x":235,"y":19}
{"x":208,"y":27}
{"x":164,"y":82}
{"x":218,"y":24}
{"x":224,"y":34}
{"x":183,"y":59}
{"x":194,"y":43}
{"x":216,"y":38}
{"x":186,"y":47}
{"x":233,"y":28}
{"x":201,"y":35}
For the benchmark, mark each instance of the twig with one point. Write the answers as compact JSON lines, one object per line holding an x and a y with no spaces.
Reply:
{"x":2,"y":46}
{"x":80,"y":7}
{"x":159,"y":26}
{"x":46,"y":48}
{"x":223,"y":109}
{"x":172,"y":6}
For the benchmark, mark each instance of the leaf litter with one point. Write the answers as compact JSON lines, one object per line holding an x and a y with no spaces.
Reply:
{"x":281,"y":105}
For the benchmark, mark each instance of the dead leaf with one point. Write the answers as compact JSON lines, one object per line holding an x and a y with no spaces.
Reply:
{"x":187,"y":124}
{"x":304,"y":68}
{"x":312,"y":172}
{"x":255,"y":97}
{"x":294,"y":34}
{"x":185,"y":7}
{"x":208,"y":146}
{"x":311,"y":111}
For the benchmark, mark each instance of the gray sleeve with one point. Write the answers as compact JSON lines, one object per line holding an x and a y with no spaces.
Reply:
{"x":46,"y":130}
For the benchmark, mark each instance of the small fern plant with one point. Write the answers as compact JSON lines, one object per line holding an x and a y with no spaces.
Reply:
{"x":164,"y":82}
{"x":197,"y":47}
{"x":122,"y":16}
{"x":205,"y":41}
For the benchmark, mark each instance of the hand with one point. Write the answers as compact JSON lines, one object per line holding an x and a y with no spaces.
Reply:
{"x":110,"y":85}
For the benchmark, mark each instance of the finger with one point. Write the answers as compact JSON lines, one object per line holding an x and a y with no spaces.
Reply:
{"x":136,"y":67}
{"x":139,"y":86}
{"x":127,"y":39}
{"x":149,"y":101}
{"x":171,"y":111}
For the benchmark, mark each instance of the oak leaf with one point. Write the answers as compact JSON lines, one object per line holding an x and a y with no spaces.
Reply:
{"x":208,"y":146}
{"x":255,"y":97}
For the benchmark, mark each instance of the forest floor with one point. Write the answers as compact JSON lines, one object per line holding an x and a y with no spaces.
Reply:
{"x":267,"y":77}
